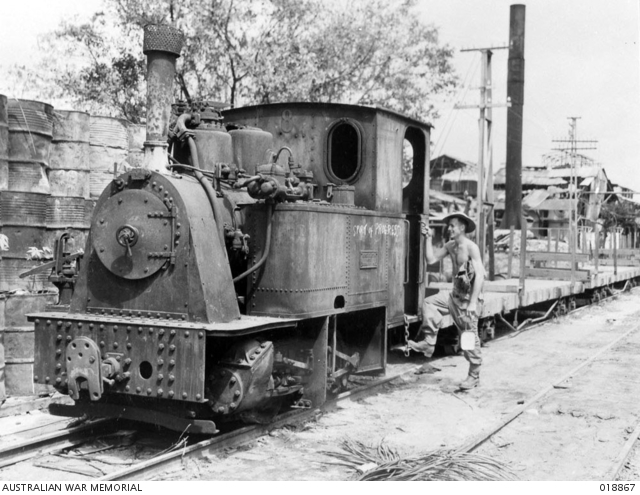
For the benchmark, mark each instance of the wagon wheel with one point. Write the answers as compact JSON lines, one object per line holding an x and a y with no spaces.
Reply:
{"x":595,"y":297}
{"x":573,"y":304}
{"x":487,"y":330}
{"x":560,"y":309}
{"x":604,"y":293}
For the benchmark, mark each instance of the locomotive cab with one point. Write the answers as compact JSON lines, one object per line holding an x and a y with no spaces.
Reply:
{"x":253,"y":265}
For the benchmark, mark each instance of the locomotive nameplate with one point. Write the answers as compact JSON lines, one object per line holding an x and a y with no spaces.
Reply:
{"x":368,"y":260}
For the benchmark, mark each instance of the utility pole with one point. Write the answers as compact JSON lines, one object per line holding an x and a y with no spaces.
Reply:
{"x":515,"y":91}
{"x":485,"y":154}
{"x":572,"y":150}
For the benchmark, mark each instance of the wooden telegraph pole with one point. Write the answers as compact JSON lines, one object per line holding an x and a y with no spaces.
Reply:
{"x":572,"y":150}
{"x":485,"y":154}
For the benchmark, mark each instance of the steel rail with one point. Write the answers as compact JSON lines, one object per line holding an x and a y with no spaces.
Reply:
{"x":50,"y":442}
{"x":486,"y":434}
{"x":623,"y":455}
{"x":163,"y":463}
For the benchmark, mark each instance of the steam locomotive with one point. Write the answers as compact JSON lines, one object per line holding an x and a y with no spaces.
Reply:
{"x":258,"y":262}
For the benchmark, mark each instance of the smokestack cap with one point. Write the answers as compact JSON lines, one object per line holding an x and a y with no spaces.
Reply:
{"x":162,"y":38}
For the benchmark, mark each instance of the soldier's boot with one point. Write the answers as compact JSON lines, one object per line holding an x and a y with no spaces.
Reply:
{"x":422,"y":347}
{"x":473,"y":379}
{"x":426,"y":349}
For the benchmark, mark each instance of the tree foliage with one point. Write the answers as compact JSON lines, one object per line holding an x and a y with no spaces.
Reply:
{"x":616,"y":214}
{"x":254,"y":51}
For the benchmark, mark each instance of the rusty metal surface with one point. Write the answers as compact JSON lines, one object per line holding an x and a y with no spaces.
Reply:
{"x":245,"y":325}
{"x":305,"y":129}
{"x":164,"y":38}
{"x":250,"y":148}
{"x":132,"y":234}
{"x":189,"y":280}
{"x":166,"y":361}
{"x":160,"y":72}
{"x":324,"y":260}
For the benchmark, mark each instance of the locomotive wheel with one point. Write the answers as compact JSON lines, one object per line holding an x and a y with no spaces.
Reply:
{"x":604,"y":293}
{"x":595,"y":297}
{"x":573,"y":304}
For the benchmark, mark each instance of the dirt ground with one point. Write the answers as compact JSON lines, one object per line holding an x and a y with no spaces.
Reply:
{"x":572,"y":433}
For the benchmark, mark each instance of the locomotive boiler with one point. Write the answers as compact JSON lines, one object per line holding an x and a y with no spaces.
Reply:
{"x":258,"y":259}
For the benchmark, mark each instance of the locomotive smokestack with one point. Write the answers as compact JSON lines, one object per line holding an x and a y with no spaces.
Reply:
{"x":515,"y":91}
{"x":162,"y":45}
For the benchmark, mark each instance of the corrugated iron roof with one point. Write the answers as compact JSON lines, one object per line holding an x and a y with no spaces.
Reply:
{"x":530,"y":177}
{"x":581,"y":172}
{"x":469,"y":173}
{"x":445,"y":198}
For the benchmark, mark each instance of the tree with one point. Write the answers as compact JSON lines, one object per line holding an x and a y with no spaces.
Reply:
{"x":257,"y":51}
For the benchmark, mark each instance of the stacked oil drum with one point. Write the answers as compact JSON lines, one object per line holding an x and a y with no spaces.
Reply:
{"x":53,"y":167}
{"x":23,"y":203}
{"x":54,"y":164}
{"x":109,"y":145}
{"x":69,"y":177}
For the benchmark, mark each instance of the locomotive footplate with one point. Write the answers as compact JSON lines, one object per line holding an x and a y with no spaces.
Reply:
{"x":166,"y":420}
{"x":112,"y":365}
{"x":245,"y":325}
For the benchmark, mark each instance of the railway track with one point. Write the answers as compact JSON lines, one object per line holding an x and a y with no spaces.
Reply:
{"x":52,"y":442}
{"x":55,"y":443}
{"x":591,"y":374}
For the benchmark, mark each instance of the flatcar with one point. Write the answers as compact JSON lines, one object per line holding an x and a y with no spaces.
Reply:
{"x":265,"y":262}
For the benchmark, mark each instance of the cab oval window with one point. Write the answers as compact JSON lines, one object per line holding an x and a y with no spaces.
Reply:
{"x":344,"y":143}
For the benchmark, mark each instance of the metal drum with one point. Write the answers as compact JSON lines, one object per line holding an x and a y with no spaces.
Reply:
{"x":17,"y":343}
{"x":137,"y":136}
{"x":30,"y":133}
{"x":250,"y":148}
{"x":4,"y":147}
{"x":10,"y":270}
{"x":66,"y":214}
{"x":24,"y":218}
{"x":109,"y":145}
{"x":70,"y":150}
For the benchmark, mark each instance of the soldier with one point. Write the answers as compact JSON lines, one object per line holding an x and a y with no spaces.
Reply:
{"x":462,"y":303}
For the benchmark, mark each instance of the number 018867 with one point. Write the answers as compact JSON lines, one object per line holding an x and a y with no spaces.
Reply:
{"x":617,"y":487}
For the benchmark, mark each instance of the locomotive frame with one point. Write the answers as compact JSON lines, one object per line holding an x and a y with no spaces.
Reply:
{"x":220,"y":283}
{"x":155,"y":330}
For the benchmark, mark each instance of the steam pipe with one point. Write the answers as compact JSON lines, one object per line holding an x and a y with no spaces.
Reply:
{"x":267,"y":247}
{"x":211,"y":194}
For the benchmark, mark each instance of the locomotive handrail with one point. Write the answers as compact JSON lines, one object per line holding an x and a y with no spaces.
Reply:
{"x":267,"y":247}
{"x":421,"y":267}
{"x":211,"y":194}
{"x":406,"y":257}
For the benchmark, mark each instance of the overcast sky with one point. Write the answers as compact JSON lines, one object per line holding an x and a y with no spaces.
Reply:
{"x":582,"y":59}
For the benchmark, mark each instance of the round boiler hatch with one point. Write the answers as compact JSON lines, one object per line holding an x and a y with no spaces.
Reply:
{"x":132,"y":234}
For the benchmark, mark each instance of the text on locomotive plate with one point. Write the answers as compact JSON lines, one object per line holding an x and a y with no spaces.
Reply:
{"x":368,"y":259}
